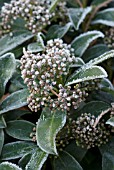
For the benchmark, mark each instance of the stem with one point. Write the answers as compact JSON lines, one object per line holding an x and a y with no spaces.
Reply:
{"x":96,"y":9}
{"x":100,"y":116}
{"x":53,"y":92}
{"x":79,"y":3}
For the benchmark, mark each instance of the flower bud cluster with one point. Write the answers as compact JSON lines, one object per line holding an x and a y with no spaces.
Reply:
{"x":109,"y":38}
{"x":35,"y":13}
{"x":87,"y":135}
{"x":83,"y":131}
{"x":45,"y":75}
{"x":91,"y":85}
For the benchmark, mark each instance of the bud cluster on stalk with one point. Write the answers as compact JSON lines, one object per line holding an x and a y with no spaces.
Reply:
{"x":35,"y":13}
{"x":82,"y":130}
{"x":87,"y":135}
{"x":45,"y":75}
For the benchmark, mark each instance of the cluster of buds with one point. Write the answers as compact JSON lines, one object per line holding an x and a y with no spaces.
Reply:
{"x":35,"y":13}
{"x":109,"y":37}
{"x":87,"y":134}
{"x":45,"y":75}
{"x":84,"y":131}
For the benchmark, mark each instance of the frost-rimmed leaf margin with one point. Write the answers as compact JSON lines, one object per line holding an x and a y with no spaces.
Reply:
{"x":80,"y":47}
{"x":80,"y":11}
{"x":15,"y":150}
{"x":37,"y":160}
{"x":100,"y":17}
{"x":93,"y":62}
{"x":14,"y":101}
{"x":85,"y":75}
{"x":6,"y":70}
{"x":8,"y":43}
{"x":47,"y":129}
{"x":58,"y":31}
{"x":9,"y":166}
{"x":16,"y":129}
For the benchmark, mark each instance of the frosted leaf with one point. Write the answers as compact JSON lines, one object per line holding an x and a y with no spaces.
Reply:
{"x":14,"y":150}
{"x":77,"y":15}
{"x":48,"y":126}
{"x":7,"y":68}
{"x":14,"y":101}
{"x":7,"y":43}
{"x":81,"y":43}
{"x":37,"y":160}
{"x":78,"y":62}
{"x":105,"y":17}
{"x":65,"y":161}
{"x":95,"y":61}
{"x":9,"y":166}
{"x":91,"y":73}
{"x":58,"y":31}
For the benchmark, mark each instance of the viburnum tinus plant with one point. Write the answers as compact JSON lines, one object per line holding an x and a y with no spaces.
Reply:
{"x":56,"y":85}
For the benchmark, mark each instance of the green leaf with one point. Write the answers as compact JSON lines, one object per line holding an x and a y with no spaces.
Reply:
{"x":106,"y":83}
{"x":107,"y":152}
{"x":37,"y":160}
{"x":87,"y":74}
{"x":65,"y":161}
{"x":94,"y":52}
{"x":24,"y":160}
{"x":101,"y":58}
{"x":110,"y":121}
{"x":7,"y":43}
{"x":15,"y":114}
{"x":16,"y":150}
{"x":53,"y":5}
{"x":57,"y":31}
{"x":20,"y":129}
{"x":17,"y":82}
{"x":108,"y":161}
{"x":1,"y":140}
{"x":7,"y":67}
{"x":48,"y":126}
{"x":77,"y":15}
{"x":9,"y":166}
{"x":2,"y":122}
{"x":81,"y":43}
{"x":97,"y":2}
{"x":95,"y":107}
{"x":72,"y":3}
{"x":105,"y":17}
{"x":78,"y":62}
{"x":35,"y":47}
{"x":90,"y":65}
{"x":14,"y":101}
{"x":73,"y":149}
